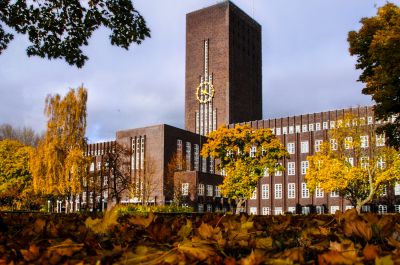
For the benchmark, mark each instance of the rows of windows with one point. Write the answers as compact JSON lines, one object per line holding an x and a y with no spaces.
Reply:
{"x":318,"y":126}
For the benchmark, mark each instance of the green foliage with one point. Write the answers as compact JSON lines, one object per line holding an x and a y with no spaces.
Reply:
{"x":245,"y":154}
{"x":144,"y":209}
{"x":376,"y":46}
{"x":15,"y":177}
{"x":59,"y":29}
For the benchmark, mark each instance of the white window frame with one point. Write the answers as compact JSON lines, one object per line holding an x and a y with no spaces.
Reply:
{"x":311,"y":127}
{"x":292,"y":209}
{"x":304,"y":128}
{"x":334,"y":208}
{"x":305,"y":210}
{"x":291,"y":148}
{"x":217,"y":191}
{"x":334,"y":144}
{"x":348,"y":142}
{"x":334,"y":194}
{"x":278,"y":131}
{"x":278,"y":191}
{"x":304,"y":167}
{"x":380,"y":140}
{"x":397,"y":208}
{"x":397,"y":188}
{"x":305,"y":192}
{"x":185,"y":189}
{"x":291,"y":190}
{"x":265,"y":191}
{"x":319,"y":193}
{"x":200,"y":189}
{"x":254,"y":194}
{"x":253,"y":211}
{"x":304,"y":147}
{"x":325,"y":125}
{"x":278,"y":211}
{"x":265,"y":211}
{"x":320,"y":209}
{"x":284,"y":130}
{"x":278,"y":173}
{"x":317,"y":126}
{"x":291,"y":168}
{"x":382,"y":208}
{"x":317,"y":145}
{"x":210,"y":190}
{"x":298,"y":129}
{"x":332,"y":125}
{"x":364,"y":141}
{"x":291,"y":129}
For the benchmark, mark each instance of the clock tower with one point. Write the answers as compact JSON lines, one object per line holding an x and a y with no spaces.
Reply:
{"x":223,"y":68}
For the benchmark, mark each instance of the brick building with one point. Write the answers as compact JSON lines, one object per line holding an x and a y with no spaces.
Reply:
{"x":224,"y":87}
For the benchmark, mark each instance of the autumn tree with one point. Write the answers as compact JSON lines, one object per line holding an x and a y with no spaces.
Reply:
{"x":24,"y":135}
{"x":355,"y":162}
{"x":173,"y":181}
{"x":59,"y":29}
{"x":117,"y":170}
{"x":376,"y":46}
{"x":149,"y":181}
{"x":59,"y":164}
{"x":15,"y":178}
{"x":244,"y":154}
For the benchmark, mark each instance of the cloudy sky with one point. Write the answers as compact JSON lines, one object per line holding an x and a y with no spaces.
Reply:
{"x":306,"y":66}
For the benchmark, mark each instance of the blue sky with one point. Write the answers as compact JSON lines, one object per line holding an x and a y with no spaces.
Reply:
{"x":306,"y":66}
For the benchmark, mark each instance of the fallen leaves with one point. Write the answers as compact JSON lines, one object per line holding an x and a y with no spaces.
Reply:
{"x":203,"y":239}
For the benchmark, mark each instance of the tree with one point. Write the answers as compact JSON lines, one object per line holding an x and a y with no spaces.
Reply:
{"x":15,"y":177}
{"x":355,"y":162}
{"x":173,"y":181}
{"x":117,"y":169}
{"x":244,"y":154}
{"x":25,"y":135}
{"x":376,"y":46}
{"x":59,"y":164}
{"x":59,"y":29}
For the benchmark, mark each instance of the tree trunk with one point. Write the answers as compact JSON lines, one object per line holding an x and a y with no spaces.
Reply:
{"x":239,"y":204}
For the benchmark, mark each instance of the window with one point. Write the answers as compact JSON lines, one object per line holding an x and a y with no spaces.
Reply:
{"x":319,"y":193}
{"x":291,"y":168}
{"x":284,"y":130}
{"x":318,"y":126}
{"x":334,"y":194}
{"x":291,"y":129}
{"x":304,"y":128}
{"x":348,"y":142}
{"x":278,"y":173}
{"x":370,"y":120}
{"x":278,"y":131}
{"x":320,"y":209}
{"x":304,"y":147}
{"x":365,"y":208}
{"x":278,"y":211}
{"x":334,"y":144}
{"x":318,"y":144}
{"x":209,"y":190}
{"x":380,"y":140}
{"x":304,"y":167}
{"x":209,"y":208}
{"x":355,"y":122}
{"x":305,"y":193}
{"x":188,"y":155}
{"x":291,"y":148}
{"x":292,"y":210}
{"x":334,"y":208}
{"x":348,"y":207}
{"x":397,"y":208}
{"x":218,"y":192}
{"x":291,"y":190}
{"x":201,"y":208}
{"x":98,"y":166}
{"x":382,"y":209}
{"x":311,"y":127}
{"x":298,"y":130}
{"x":364,"y":141}
{"x":265,"y":211}
{"x":325,"y":125}
{"x":278,"y":191}
{"x":204,"y":164}
{"x":305,"y":210}
{"x":266,"y":172}
{"x":253,"y":210}
{"x":179,"y":153}
{"x":200,"y":189}
{"x":397,"y":189}
{"x":265,"y":191}
{"x":384,"y":190}
{"x":253,"y":151}
{"x":196,"y":157}
{"x":332,"y":124}
{"x":91,"y":167}
{"x":364,"y":162}
{"x":211,"y":165}
{"x":381,"y":163}
{"x":350,"y":160}
{"x":185,"y":189}
{"x":254,"y":194}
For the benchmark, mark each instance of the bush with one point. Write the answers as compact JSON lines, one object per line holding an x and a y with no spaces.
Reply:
{"x":143,"y":209}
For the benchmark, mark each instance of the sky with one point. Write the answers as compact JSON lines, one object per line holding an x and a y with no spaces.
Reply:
{"x":306,"y":67}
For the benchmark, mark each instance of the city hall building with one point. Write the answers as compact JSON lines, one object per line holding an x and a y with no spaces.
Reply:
{"x":223,"y":86}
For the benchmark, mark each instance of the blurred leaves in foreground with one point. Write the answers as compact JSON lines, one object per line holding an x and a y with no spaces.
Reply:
{"x":162,"y":238}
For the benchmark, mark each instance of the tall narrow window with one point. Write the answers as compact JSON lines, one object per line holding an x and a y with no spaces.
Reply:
{"x":204,"y":164}
{"x":304,"y":167}
{"x":211,"y":165}
{"x":318,"y":144}
{"x":291,"y":148}
{"x":380,"y":140}
{"x":188,"y":155}
{"x":278,"y":191}
{"x":133,"y":155}
{"x":200,"y":189}
{"x":334,"y":144}
{"x":185,"y":189}
{"x":304,"y":147}
{"x":265,"y":191}
{"x":305,"y":193}
{"x":179,"y":154}
{"x":348,"y":142}
{"x":291,"y":168}
{"x":364,"y":141}
{"x":319,"y":193}
{"x":291,"y":190}
{"x":318,"y":126}
{"x":253,"y":151}
{"x":196,"y":157}
{"x":142,"y":139}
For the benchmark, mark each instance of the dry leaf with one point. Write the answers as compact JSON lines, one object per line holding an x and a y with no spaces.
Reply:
{"x":371,"y":252}
{"x":66,"y":248}
{"x":143,"y":221}
{"x":31,"y":254}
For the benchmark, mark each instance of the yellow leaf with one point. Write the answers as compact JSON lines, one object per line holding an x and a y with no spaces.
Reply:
{"x":199,"y":252}
{"x":142,"y":221}
{"x":185,"y":230}
{"x":386,"y":260}
{"x":265,"y":243}
{"x":66,"y":248}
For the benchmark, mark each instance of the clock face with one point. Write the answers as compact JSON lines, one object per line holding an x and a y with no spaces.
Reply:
{"x":205,"y":92}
